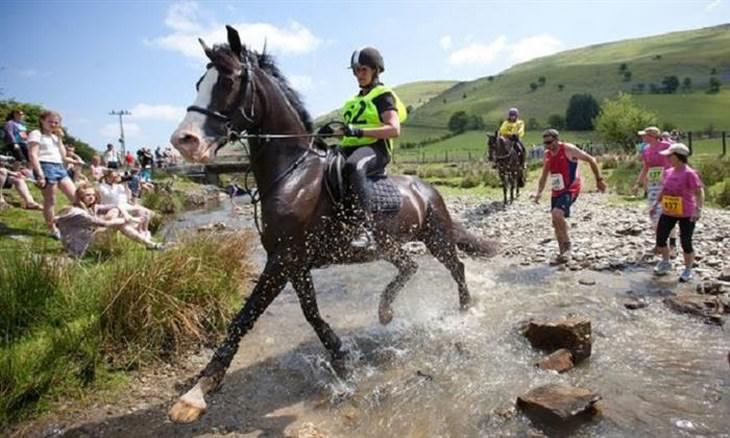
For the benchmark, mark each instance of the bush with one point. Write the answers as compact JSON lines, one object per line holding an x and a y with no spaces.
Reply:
{"x":723,"y":196}
{"x":624,"y":175}
{"x":582,"y":109}
{"x":712,"y":171}
{"x":609,"y":162}
{"x":621,"y":119}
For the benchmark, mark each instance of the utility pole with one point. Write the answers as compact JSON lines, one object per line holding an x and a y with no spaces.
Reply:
{"x":121,"y":114}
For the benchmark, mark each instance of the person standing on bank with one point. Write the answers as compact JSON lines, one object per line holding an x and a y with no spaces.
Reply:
{"x":561,"y":165}
{"x":373,"y":118}
{"x":682,"y":198}
{"x":47,"y":158}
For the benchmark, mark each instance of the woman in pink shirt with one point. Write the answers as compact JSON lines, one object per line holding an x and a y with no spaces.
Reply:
{"x":681,"y":198}
{"x":654,"y":165}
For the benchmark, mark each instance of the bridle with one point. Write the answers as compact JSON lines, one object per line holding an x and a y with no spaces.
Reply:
{"x":249,"y":118}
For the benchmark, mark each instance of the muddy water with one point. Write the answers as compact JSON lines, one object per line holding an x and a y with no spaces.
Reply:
{"x":436,"y":371}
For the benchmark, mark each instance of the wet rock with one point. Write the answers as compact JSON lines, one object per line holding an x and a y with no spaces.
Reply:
{"x":306,"y":430}
{"x":587,"y":282}
{"x":560,"y":361}
{"x":708,"y":307}
{"x":572,"y":333}
{"x":711,"y":287}
{"x":635,"y":303}
{"x":557,"y":404}
{"x":724,"y":275}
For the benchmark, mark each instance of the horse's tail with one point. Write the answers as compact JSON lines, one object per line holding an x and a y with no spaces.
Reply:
{"x":471,"y":244}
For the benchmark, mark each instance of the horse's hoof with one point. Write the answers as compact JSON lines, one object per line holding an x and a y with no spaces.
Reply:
{"x":339,"y":366}
{"x":385,"y":314}
{"x":184,"y":412}
{"x":465,"y":305}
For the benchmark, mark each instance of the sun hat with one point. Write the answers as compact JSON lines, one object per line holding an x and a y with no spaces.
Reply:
{"x":676,"y":148}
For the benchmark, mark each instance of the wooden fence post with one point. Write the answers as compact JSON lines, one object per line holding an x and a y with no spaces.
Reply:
{"x":724,"y":143}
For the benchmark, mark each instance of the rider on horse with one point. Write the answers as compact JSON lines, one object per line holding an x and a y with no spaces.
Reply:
{"x":373,"y":118}
{"x":512,"y":130}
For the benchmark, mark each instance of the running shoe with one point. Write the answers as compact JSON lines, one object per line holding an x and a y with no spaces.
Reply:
{"x":686,"y":276}
{"x":663,"y":267}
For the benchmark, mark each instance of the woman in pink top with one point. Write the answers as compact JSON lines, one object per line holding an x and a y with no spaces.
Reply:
{"x":681,"y":198}
{"x":652,"y":175}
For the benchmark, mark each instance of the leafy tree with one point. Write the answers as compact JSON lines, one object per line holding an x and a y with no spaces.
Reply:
{"x":640,"y":87}
{"x":458,"y":122}
{"x":541,"y":80}
{"x":627,"y":76}
{"x":532,"y":124}
{"x":582,"y":109}
{"x":622,"y":68}
{"x":444,"y":100}
{"x":657,"y":57}
{"x":476,"y":122}
{"x":556,"y":121}
{"x":670,"y":84}
{"x":714,"y":85}
{"x":490,"y":78}
{"x":653,"y":89}
{"x":713,"y":72}
{"x":620,"y":119}
{"x":533,"y":86}
{"x":32,"y":120}
{"x":463,"y":96}
{"x":687,"y":83}
{"x":560,"y":87}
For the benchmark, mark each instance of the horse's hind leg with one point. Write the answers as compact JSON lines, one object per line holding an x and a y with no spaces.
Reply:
{"x":302,"y":282}
{"x":406,"y":268}
{"x":443,"y":247}
{"x":192,"y":404}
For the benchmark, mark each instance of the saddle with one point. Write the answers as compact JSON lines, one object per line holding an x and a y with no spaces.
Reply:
{"x":386,"y":197}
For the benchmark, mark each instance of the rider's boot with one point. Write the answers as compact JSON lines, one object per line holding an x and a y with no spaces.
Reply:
{"x":364,"y":238}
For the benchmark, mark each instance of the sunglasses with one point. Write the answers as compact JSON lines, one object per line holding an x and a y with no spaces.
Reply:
{"x":548,"y":142}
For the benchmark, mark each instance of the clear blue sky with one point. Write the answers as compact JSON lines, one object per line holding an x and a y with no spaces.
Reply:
{"x":86,"y":58}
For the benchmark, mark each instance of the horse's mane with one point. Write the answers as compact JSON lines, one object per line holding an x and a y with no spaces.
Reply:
{"x":266,"y":62}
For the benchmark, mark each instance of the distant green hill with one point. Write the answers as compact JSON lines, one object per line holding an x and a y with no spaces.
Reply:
{"x":597,"y":70}
{"x":413,"y":94}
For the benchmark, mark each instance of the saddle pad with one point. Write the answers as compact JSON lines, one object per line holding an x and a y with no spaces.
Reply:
{"x":386,"y":197}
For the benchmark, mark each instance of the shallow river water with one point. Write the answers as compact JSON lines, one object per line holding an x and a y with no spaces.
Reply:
{"x":436,"y":371}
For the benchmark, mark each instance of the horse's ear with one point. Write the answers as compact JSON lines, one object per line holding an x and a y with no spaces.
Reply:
{"x":208,"y":51}
{"x":234,"y":41}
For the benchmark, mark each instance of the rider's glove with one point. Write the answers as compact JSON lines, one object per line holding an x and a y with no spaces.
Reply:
{"x":353,"y":131}
{"x":514,"y":137}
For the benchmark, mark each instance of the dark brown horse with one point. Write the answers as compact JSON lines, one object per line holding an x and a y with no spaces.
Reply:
{"x":508,"y":165}
{"x":244,"y":92}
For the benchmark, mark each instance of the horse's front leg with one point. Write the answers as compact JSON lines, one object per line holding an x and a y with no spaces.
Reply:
{"x":303,"y":285}
{"x":192,"y":404}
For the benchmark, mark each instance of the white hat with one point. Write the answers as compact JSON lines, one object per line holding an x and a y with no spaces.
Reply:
{"x":676,"y":148}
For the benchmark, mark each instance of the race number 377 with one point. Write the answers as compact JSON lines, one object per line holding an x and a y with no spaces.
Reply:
{"x":672,"y":205}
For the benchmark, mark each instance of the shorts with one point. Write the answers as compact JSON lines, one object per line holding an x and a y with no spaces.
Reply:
{"x":563,"y":202}
{"x":112,"y":165}
{"x":54,"y":172}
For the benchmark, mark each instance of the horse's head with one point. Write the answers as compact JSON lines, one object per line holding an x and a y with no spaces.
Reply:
{"x":225,"y":101}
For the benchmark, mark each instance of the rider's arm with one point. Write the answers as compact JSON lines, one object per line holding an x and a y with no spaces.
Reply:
{"x":520,"y":128}
{"x":504,"y":129}
{"x":390,"y":128}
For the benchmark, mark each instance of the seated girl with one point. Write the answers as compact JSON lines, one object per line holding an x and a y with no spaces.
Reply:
{"x":81,"y":222}
{"x":116,"y":194}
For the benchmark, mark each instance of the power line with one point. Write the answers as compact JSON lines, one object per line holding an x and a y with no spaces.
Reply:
{"x":121,"y":114}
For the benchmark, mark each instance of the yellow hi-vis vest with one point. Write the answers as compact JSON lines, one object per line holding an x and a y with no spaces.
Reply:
{"x":361,"y":112}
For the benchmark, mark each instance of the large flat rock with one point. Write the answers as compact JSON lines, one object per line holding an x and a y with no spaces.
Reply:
{"x":558,"y":405}
{"x":572,"y":333}
{"x":711,"y":308}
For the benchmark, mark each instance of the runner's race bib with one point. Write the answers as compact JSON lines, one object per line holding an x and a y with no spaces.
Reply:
{"x":672,"y":205}
{"x":556,"y":182}
{"x":654,"y":176}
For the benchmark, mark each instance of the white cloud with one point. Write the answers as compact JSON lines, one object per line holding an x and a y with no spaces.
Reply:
{"x":157,"y":112}
{"x":535,"y":47}
{"x":445,"y":42}
{"x":520,"y":51}
{"x":111,"y":131}
{"x":188,"y":24}
{"x":476,"y":53}
{"x":301,"y":83}
{"x":713,"y":5}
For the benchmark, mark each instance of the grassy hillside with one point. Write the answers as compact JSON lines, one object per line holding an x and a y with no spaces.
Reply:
{"x":596,"y":70}
{"x":412,"y":94}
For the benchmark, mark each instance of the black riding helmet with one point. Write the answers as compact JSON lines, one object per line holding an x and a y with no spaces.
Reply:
{"x":369,"y":56}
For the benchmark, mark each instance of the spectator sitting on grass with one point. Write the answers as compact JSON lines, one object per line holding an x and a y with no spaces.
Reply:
{"x":114,"y":193}
{"x":81,"y":222}
{"x":15,"y":177}
{"x":136,"y":186}
{"x":96,"y":169}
